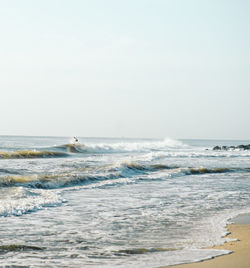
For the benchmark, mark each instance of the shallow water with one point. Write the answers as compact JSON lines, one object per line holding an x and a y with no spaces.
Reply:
{"x":117,"y":202}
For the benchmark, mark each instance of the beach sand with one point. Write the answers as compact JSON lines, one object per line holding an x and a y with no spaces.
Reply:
{"x":240,"y":256}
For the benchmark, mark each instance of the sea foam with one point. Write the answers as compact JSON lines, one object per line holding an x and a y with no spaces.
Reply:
{"x":17,"y":201}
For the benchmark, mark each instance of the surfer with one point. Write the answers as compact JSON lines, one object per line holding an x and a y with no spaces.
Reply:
{"x":75,"y":138}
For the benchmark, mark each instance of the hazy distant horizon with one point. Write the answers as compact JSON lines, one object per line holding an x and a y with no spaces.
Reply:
{"x":126,"y":138}
{"x":147,"y":69}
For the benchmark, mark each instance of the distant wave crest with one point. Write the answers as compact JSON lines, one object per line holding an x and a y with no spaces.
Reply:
{"x":30,"y":154}
{"x":66,"y":150}
{"x":124,"y":147}
{"x":72,"y":148}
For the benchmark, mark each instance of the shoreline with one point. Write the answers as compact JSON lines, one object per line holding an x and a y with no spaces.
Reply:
{"x":240,"y":247}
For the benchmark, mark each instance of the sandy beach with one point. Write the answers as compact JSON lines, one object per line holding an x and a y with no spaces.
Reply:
{"x":240,"y":256}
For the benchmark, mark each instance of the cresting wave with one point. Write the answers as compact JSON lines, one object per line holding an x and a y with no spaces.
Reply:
{"x":71,"y":148}
{"x":54,"y":181}
{"x":120,"y":147}
{"x":185,"y":170}
{"x":128,"y":170}
{"x":66,"y":150}
{"x":51,"y":152}
{"x":30,"y":154}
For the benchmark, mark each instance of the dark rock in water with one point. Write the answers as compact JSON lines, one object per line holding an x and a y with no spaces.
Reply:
{"x":225,"y":148}
{"x":244,"y":147}
{"x":217,"y":148}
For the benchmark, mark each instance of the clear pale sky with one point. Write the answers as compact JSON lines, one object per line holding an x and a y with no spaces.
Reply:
{"x":113,"y":68}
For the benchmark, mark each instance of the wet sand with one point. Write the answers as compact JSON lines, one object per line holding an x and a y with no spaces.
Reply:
{"x":240,"y":256}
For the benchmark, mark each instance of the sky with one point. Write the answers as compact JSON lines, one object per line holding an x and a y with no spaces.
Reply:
{"x":113,"y":68}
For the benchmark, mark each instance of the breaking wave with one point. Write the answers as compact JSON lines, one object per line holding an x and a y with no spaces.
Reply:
{"x":128,"y":170}
{"x":72,"y":148}
{"x":66,"y":150}
{"x":145,"y":146}
{"x":30,"y":154}
{"x":16,"y":201}
{"x":54,"y":181}
{"x":121,"y":147}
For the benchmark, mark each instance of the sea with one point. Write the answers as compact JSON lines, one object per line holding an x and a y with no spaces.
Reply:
{"x":117,"y":202}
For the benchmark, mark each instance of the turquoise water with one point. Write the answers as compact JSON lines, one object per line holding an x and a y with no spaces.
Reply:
{"x":117,"y":202}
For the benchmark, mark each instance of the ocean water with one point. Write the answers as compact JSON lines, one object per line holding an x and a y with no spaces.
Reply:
{"x":117,"y":202}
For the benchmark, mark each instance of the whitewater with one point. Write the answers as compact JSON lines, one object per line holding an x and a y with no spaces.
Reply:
{"x":106,"y":202}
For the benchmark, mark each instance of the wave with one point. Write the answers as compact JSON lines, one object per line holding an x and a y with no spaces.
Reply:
{"x":16,"y":201}
{"x":121,"y":147}
{"x":53,"y":181}
{"x":189,"y":154}
{"x":16,"y":247}
{"x":66,"y":150}
{"x":129,"y":170}
{"x":202,"y":170}
{"x":31,"y":154}
{"x":72,"y":148}
{"x":124,"y":252}
{"x":138,"y":167}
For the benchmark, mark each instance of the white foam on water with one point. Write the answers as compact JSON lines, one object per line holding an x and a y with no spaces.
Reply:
{"x":17,"y":201}
{"x":175,"y":257}
{"x":143,"y":146}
